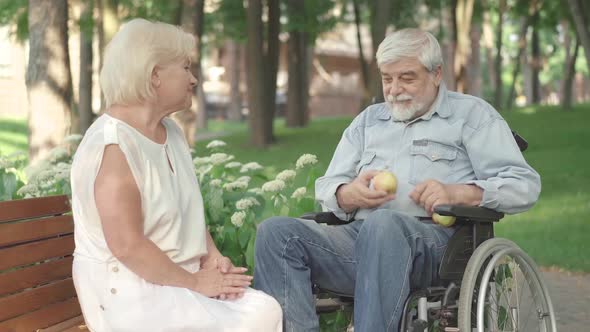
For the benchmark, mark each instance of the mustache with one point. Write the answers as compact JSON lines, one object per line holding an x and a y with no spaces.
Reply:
{"x":402,"y":97}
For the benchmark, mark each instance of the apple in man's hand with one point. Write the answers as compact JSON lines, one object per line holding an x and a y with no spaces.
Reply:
{"x":446,"y":221}
{"x":385,"y":181}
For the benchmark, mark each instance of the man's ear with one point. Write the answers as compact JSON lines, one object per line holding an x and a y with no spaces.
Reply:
{"x":437,"y":75}
{"x":155,"y":78}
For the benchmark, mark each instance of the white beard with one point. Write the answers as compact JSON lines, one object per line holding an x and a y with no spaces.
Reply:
{"x":400,"y":112}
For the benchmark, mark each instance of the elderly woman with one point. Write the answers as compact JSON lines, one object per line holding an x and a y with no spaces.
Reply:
{"x":144,"y":260}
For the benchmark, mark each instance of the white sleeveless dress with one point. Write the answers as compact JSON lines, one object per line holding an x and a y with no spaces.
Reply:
{"x":112,"y":297}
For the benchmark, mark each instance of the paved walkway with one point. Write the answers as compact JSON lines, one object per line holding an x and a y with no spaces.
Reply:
{"x":570,"y":294}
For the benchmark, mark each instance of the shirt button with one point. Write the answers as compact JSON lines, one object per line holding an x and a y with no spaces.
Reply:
{"x":113,"y":291}
{"x":101,"y":307}
{"x":115,"y":269}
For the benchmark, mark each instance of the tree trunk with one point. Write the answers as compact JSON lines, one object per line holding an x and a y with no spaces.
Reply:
{"x":190,"y":17}
{"x":108,"y":24}
{"x":498,"y":84}
{"x":362,"y":61}
{"x":298,"y":91}
{"x":449,"y":42}
{"x":380,"y":20}
{"x":581,"y":23}
{"x":535,"y":61}
{"x":488,"y":43}
{"x":464,"y":12}
{"x":48,"y":79}
{"x":473,"y":70}
{"x":234,"y":112}
{"x":525,"y":22}
{"x":273,"y":28}
{"x":85,"y":83}
{"x":568,"y":80}
{"x":255,"y":74}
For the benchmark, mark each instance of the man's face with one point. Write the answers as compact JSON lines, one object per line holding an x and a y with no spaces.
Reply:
{"x":408,"y":88}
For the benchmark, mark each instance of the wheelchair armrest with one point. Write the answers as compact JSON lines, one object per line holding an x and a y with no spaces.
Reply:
{"x":469,"y":213}
{"x":324,"y":218}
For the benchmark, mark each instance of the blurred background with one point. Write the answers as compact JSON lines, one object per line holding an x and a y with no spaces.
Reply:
{"x":296,"y":60}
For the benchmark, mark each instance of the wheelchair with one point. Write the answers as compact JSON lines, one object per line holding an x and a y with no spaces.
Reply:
{"x":485,"y":283}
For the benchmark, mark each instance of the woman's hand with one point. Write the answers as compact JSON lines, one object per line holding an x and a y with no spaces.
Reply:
{"x":225,"y":266}
{"x":211,"y":282}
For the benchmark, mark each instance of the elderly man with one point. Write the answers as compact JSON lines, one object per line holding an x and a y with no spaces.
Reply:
{"x":444,"y":147}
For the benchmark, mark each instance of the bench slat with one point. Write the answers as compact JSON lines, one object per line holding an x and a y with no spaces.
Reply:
{"x":46,"y":317}
{"x":75,"y":324}
{"x":34,"y":208}
{"x":35,"y":275}
{"x":36,"y":251}
{"x":36,"y":298}
{"x":11,"y":233}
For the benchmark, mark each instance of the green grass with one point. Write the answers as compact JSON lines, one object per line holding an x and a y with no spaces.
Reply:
{"x":556,"y":232}
{"x":13,"y":135}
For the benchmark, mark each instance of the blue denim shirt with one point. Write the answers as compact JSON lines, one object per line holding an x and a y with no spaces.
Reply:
{"x":461,"y":140}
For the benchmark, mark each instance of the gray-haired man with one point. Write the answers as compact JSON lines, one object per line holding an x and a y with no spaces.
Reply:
{"x":444,"y":147}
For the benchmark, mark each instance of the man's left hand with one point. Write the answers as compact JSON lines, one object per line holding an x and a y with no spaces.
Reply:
{"x":431,"y":193}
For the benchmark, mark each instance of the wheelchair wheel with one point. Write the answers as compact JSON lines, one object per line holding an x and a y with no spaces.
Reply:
{"x":502,"y":290}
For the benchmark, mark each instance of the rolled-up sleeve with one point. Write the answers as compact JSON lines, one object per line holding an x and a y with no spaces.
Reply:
{"x":342,"y":170}
{"x":509,"y":184}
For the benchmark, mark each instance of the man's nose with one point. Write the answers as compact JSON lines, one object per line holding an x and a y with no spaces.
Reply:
{"x":194,"y":80}
{"x":395,"y":88}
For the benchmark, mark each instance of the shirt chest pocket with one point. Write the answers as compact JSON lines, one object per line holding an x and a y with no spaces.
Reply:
{"x":366,"y":159}
{"x":431,"y":160}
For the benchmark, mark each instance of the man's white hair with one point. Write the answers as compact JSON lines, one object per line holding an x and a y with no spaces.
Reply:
{"x":410,"y":43}
{"x":133,"y":53}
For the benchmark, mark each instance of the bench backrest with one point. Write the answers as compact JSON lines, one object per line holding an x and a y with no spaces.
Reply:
{"x":36,"y":246}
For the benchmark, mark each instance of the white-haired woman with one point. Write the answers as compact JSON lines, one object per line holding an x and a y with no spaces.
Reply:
{"x":144,"y":260}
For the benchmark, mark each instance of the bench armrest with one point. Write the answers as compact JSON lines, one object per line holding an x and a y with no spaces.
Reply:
{"x":469,"y":213}
{"x":324,"y":218}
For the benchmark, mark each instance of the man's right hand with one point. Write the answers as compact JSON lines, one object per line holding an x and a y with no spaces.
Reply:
{"x":358,"y":195}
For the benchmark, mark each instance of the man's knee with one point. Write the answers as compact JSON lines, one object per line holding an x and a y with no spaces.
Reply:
{"x":273,"y":230}
{"x":384,"y":224}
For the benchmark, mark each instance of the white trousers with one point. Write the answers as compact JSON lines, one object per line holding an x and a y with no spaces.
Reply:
{"x":114,"y":299}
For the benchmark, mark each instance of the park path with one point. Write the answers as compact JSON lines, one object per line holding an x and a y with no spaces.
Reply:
{"x":570,"y":294}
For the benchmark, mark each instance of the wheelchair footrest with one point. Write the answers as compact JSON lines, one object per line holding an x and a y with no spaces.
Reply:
{"x":331,"y":305}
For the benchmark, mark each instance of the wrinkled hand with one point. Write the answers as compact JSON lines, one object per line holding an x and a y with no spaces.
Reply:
{"x":212,"y":282}
{"x":431,"y":193}
{"x":357,"y":194}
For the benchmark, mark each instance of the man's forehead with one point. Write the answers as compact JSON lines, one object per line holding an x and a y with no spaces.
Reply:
{"x":402,"y":67}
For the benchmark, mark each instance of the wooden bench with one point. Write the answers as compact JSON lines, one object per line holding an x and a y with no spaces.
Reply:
{"x":36,"y":246}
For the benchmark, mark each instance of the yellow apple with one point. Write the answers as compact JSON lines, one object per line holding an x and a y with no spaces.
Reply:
{"x":385,"y":181}
{"x":446,"y":221}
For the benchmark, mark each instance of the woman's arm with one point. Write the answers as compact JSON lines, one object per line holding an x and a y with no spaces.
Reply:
{"x":119,"y":205}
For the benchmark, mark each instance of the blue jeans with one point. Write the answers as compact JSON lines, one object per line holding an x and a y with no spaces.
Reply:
{"x":378,"y":259}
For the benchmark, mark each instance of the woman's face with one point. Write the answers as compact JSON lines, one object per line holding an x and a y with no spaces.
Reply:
{"x":174,"y":85}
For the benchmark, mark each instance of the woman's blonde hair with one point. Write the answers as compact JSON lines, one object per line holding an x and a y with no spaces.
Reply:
{"x":133,"y":53}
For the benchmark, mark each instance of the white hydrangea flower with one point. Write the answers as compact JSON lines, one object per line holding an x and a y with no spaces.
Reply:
{"x":252,"y":166}
{"x":219,"y":229}
{"x":244,"y":204}
{"x":215,"y":183}
{"x":257,"y":191}
{"x":57,"y":154}
{"x":299,"y":192}
{"x":202,"y":170}
{"x":246,"y":179}
{"x":306,"y":159}
{"x":28,"y":191}
{"x":238,"y":218}
{"x":233,"y":164}
{"x":253,"y":200}
{"x":286,"y":175}
{"x":62,"y":171}
{"x":198,"y":161}
{"x":216,"y":144}
{"x":220,"y":158}
{"x":74,"y":139}
{"x":5,"y":163}
{"x":236,"y":185}
{"x":273,"y":186}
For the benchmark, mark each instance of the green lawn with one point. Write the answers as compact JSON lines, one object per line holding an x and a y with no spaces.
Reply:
{"x":556,"y":232}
